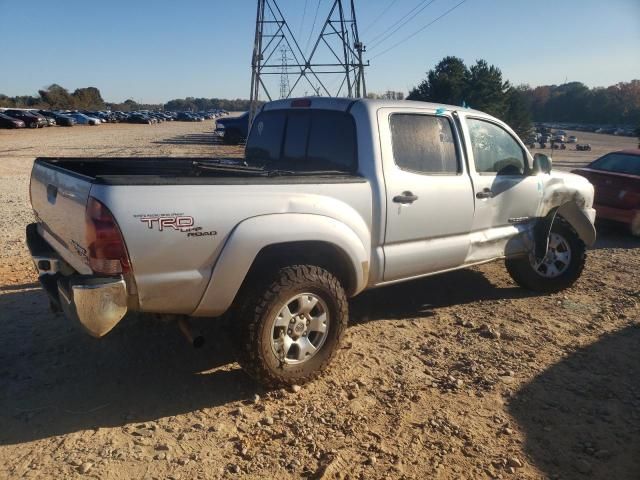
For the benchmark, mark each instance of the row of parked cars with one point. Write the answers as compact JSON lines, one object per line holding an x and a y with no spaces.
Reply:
{"x":623,"y":131}
{"x":33,"y":118}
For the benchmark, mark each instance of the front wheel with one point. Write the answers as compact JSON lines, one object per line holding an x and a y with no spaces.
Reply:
{"x":290,"y":328}
{"x":560,"y":267}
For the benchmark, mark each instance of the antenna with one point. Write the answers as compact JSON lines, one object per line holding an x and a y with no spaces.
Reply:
{"x":336,"y":53}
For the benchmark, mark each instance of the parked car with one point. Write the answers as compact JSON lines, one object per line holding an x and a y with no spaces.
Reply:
{"x":140,"y":118}
{"x":9,"y":122}
{"x":333,"y":197}
{"x":62,"y":120}
{"x":572,"y":139}
{"x":616,"y":178}
{"x":234,"y":130}
{"x":82,"y":119}
{"x":31,"y":120}
{"x":583,"y":147}
{"x":51,"y":122}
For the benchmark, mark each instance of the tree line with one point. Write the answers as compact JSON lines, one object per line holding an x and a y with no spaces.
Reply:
{"x":57,"y":97}
{"x":482,"y":87}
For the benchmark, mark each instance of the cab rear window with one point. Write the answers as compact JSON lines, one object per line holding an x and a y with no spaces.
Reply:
{"x":303,"y":140}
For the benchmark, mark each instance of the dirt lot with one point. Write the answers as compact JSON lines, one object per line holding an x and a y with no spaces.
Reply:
{"x":458,"y":376}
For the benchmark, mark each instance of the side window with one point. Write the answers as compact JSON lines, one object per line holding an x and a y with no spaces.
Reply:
{"x":424,"y":144}
{"x":495,"y":150}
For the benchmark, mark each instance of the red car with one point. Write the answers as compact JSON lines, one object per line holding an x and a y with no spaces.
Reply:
{"x":616,"y":179}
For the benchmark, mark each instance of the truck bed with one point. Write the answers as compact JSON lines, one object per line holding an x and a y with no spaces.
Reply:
{"x":172,"y":171}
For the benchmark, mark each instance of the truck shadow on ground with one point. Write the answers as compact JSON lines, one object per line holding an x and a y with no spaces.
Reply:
{"x":420,"y":298}
{"x":192,"y":139}
{"x":57,"y":380}
{"x":580,"y":417}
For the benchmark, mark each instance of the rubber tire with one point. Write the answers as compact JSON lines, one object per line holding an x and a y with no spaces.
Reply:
{"x":33,"y":125}
{"x":524,"y":275}
{"x":262,"y":303}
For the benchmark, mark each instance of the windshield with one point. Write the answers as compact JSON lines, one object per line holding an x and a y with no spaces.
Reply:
{"x":618,"y":163}
{"x":303,"y":140}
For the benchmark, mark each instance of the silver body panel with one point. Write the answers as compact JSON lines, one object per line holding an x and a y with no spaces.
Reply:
{"x":191,"y":246}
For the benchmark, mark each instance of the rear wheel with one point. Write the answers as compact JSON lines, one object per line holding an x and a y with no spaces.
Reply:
{"x":33,"y":125}
{"x":560,"y":267}
{"x":290,"y":328}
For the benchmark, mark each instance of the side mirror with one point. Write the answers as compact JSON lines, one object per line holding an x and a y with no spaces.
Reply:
{"x":541,"y":163}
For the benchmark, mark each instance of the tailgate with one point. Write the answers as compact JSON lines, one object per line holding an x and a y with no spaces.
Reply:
{"x":59,"y":199}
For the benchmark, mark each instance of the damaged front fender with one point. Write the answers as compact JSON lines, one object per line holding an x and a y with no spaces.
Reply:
{"x":570,"y":197}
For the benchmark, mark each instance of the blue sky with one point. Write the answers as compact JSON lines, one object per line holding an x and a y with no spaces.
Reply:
{"x":155,"y":50}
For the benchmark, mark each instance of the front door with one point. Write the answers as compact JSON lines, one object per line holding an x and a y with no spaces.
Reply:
{"x":505,"y":192}
{"x":429,"y":193}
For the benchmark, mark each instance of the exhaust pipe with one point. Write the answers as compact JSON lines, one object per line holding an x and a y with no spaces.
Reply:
{"x":196,"y":340}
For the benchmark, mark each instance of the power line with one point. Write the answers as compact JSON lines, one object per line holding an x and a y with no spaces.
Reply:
{"x":315,"y":19}
{"x":368,"y":27}
{"x":406,"y":15}
{"x":304,"y":14}
{"x":419,"y":30}
{"x":394,"y":31}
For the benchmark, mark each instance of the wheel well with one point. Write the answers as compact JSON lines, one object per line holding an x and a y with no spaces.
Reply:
{"x":321,"y":254}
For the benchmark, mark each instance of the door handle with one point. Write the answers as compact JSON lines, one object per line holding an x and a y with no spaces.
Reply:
{"x":406,"y":197}
{"x":485,"y":193}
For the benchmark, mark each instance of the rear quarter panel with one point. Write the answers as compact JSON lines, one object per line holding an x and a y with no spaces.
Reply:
{"x":172,"y":263}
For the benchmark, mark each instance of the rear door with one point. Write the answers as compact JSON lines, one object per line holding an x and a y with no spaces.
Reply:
{"x":505,"y":192}
{"x":429,"y":193}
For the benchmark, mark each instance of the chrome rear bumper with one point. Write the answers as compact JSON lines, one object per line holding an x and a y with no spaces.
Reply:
{"x":98,"y":303}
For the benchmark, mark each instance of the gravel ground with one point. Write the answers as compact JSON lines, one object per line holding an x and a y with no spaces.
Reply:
{"x":458,"y":376}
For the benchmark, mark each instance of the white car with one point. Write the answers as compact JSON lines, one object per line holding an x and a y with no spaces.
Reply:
{"x":572,"y":139}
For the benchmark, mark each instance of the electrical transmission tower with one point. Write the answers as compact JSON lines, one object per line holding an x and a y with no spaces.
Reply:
{"x":337,"y":52}
{"x":284,"y":74}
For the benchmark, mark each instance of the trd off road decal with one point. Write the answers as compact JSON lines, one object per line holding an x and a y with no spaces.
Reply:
{"x":174,"y":222}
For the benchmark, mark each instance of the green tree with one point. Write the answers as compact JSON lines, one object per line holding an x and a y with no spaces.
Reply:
{"x":517,"y":113}
{"x":446,"y":83}
{"x":485,"y":89}
{"x":57,"y":97}
{"x":88,"y":98}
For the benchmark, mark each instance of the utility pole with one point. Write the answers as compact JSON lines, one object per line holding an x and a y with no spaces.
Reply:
{"x":337,"y":51}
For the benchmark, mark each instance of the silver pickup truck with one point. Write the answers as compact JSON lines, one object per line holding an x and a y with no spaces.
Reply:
{"x":333,"y":197}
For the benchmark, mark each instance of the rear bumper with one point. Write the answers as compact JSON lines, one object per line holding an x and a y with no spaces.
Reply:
{"x":97,"y":303}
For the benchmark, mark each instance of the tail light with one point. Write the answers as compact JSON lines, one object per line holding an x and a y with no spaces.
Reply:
{"x":106,"y":250}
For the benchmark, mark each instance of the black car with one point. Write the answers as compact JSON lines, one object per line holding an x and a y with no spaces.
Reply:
{"x":139,"y":118}
{"x":9,"y":122}
{"x":51,"y":122}
{"x":187,"y":117}
{"x":63,"y":120}
{"x":32,"y":121}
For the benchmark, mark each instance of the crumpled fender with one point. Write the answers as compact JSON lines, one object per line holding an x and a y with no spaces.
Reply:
{"x":571,"y":197}
{"x":256,"y":233}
